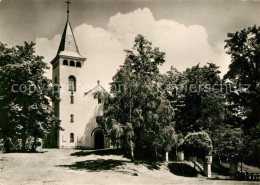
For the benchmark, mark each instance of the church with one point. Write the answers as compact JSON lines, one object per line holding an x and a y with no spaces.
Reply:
{"x":77,"y":110}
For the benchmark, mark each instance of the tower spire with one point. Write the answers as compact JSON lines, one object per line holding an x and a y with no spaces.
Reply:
{"x":68,"y":9}
{"x":68,"y":47}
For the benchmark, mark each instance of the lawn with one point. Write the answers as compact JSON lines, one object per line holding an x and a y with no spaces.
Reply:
{"x":68,"y":166}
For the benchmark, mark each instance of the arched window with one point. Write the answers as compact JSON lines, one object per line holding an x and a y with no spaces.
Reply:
{"x":71,"y":137}
{"x":65,"y":62}
{"x":78,"y":64}
{"x":72,"y":63}
{"x":72,"y":83}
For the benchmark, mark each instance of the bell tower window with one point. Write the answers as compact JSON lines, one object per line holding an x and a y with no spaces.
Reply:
{"x":65,"y":62}
{"x":72,"y":83}
{"x":72,"y":63}
{"x":78,"y":64}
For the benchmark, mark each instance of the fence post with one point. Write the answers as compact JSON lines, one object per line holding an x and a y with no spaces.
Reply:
{"x":207,"y":165}
{"x":180,"y":155}
{"x":167,"y":156}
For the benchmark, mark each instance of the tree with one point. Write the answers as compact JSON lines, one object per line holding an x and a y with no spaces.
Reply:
{"x":229,"y":144}
{"x":200,"y":102}
{"x":138,"y":116}
{"x":25,"y":96}
{"x":198,"y":144}
{"x":244,"y":74}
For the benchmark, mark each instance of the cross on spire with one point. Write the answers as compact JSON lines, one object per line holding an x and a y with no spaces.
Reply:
{"x":68,"y":9}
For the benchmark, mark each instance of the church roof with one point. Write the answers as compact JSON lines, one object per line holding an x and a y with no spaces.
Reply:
{"x":68,"y":45}
{"x":96,"y":89}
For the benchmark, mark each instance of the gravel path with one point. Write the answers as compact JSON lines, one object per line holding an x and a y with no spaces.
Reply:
{"x":58,"y":167}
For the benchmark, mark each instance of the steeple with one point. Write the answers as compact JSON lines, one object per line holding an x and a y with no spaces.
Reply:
{"x":68,"y":47}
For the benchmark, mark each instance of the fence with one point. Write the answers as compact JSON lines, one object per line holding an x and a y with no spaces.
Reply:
{"x":247,"y":176}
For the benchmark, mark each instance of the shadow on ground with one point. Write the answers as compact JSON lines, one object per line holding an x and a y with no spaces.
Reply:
{"x":110,"y":164}
{"x":101,"y":152}
{"x":183,"y":169}
{"x":219,"y":169}
{"x":26,"y":152}
{"x":151,"y":165}
{"x":95,"y":165}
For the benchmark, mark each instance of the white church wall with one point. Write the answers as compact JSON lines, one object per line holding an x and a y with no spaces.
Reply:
{"x":84,"y":109}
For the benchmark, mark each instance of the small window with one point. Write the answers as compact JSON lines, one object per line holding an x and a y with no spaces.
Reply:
{"x":65,"y":62}
{"x":72,"y":83}
{"x":55,"y":80}
{"x":78,"y":64}
{"x":71,"y":118}
{"x":72,"y":63}
{"x":71,"y":98}
{"x":71,"y":137}
{"x":99,"y":100}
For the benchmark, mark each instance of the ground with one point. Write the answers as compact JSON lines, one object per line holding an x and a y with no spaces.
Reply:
{"x":68,"y":166}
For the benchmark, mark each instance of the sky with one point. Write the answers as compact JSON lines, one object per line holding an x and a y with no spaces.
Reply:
{"x":188,"y":31}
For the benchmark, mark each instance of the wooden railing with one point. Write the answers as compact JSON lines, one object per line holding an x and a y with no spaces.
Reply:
{"x":247,"y":176}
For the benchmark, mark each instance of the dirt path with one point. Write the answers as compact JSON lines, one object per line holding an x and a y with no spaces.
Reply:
{"x":58,"y":167}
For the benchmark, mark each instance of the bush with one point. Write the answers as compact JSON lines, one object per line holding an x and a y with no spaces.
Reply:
{"x":198,"y":144}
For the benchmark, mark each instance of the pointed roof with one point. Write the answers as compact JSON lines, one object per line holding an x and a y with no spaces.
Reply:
{"x":68,"y":42}
{"x":98,"y":88}
{"x":68,"y":46}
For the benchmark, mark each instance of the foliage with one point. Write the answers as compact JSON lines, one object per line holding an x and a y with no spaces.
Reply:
{"x":200,"y":102}
{"x":244,"y":74}
{"x":198,"y":144}
{"x":138,"y":116}
{"x":25,"y":96}
{"x":244,"y":49}
{"x":230,"y":144}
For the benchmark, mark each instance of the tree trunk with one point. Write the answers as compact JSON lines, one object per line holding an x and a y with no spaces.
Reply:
{"x":34,"y":145}
{"x":24,"y":139}
{"x":7,"y":145}
{"x":132,"y":151}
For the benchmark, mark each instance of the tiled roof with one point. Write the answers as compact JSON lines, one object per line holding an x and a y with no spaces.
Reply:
{"x":68,"y":46}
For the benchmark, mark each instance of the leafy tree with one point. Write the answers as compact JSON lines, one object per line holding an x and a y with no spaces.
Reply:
{"x":198,"y":144}
{"x":230,"y":144}
{"x":200,"y":103}
{"x":25,"y":96}
{"x":244,"y":70}
{"x":138,"y":116}
{"x":244,"y":74}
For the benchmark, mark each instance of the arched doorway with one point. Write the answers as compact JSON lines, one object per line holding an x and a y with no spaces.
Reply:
{"x":99,"y":140}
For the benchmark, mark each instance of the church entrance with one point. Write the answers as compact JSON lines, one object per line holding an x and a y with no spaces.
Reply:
{"x":99,"y":140}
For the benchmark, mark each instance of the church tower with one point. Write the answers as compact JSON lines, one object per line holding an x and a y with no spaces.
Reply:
{"x":66,"y":72}
{"x":76,"y":109}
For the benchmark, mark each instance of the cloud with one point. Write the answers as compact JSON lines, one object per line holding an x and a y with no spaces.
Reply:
{"x":184,"y":46}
